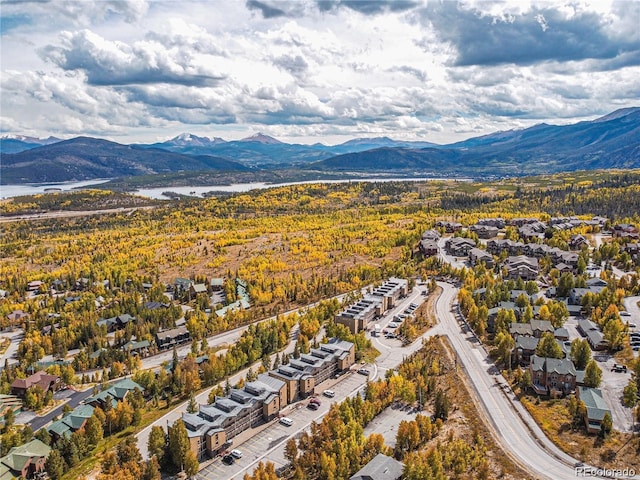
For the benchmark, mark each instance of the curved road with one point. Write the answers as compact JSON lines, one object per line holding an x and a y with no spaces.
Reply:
{"x":513,"y":427}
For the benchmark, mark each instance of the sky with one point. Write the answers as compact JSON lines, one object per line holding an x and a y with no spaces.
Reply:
{"x":308,"y":71}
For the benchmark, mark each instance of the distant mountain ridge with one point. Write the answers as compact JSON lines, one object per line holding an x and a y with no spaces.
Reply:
{"x":611,"y":141}
{"x":86,"y":158}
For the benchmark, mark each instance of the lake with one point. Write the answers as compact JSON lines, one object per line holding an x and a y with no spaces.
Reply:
{"x":8,"y":191}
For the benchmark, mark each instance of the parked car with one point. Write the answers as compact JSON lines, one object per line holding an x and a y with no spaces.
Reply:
{"x":313,"y":406}
{"x":286,"y":421}
{"x":363,"y":371}
{"x":228,"y":460}
{"x":625,"y":314}
{"x":236,"y":453}
{"x":619,"y":368}
{"x":329,"y":393}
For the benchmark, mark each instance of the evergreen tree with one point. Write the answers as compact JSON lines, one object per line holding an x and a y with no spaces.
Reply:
{"x":157,"y":443}
{"x":178,"y":444}
{"x":55,"y":465}
{"x":152,"y":470}
{"x":193,"y":405}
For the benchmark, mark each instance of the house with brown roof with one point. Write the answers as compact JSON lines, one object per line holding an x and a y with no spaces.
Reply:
{"x":42,"y":379}
{"x":17,"y":317}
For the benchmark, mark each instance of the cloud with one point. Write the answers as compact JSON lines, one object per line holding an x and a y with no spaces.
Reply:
{"x":539,"y":35}
{"x":368,"y":7}
{"x":116,"y":63}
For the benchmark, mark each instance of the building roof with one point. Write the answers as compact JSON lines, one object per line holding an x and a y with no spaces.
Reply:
{"x":39,"y":378}
{"x":561,"y":366}
{"x":380,"y":467}
{"x":594,"y":401}
{"x":116,"y":392}
{"x":19,"y":457}
{"x":527,"y":343}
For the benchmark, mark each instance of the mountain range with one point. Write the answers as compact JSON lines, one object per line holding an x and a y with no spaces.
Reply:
{"x":612,"y":141}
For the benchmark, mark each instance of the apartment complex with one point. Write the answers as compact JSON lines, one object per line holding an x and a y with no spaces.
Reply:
{"x":262,"y":400}
{"x":358,"y":316}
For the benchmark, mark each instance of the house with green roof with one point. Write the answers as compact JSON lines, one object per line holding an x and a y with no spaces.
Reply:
{"x":73,"y":421}
{"x":114,"y":394}
{"x":596,"y":407}
{"x":24,"y":461}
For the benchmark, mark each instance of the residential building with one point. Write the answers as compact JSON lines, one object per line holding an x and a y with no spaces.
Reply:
{"x":588,"y":329}
{"x":73,"y":421}
{"x":17,"y":317}
{"x":137,"y":348}
{"x":477,"y":255}
{"x":521,"y":266}
{"x":552,"y":375}
{"x":114,"y":394}
{"x":172,"y":337}
{"x":428,"y":247}
{"x":197,"y":288}
{"x":116,"y":323}
{"x":492,"y":222}
{"x":484,"y":231}
{"x":525,"y":348}
{"x":459,"y":246}
{"x":303,"y":374}
{"x":262,"y":400}
{"x":596,"y":407}
{"x":540,"y":327}
{"x":381,"y":467}
{"x":42,"y":379}
{"x":358,"y":316}
{"x":449,"y":227}
{"x":496,"y":247}
{"x":24,"y":461}
{"x":576,"y":242}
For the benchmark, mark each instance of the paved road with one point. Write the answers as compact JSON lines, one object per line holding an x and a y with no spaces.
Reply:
{"x":445,"y":257}
{"x":10,"y":355}
{"x":71,"y":213}
{"x":514,"y":429}
{"x":38,"y":422}
{"x":268,"y":444}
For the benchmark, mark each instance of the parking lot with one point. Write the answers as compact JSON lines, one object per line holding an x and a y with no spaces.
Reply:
{"x":612,"y":382}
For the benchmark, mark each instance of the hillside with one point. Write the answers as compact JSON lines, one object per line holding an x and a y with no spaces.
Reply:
{"x":611,"y":141}
{"x":85,"y":158}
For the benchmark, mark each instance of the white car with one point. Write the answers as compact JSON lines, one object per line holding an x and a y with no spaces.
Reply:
{"x":236,"y":453}
{"x":329,"y":393}
{"x":286,"y":421}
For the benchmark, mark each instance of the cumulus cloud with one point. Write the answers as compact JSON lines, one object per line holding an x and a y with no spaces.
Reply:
{"x":541,"y":34}
{"x":117,"y":63}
